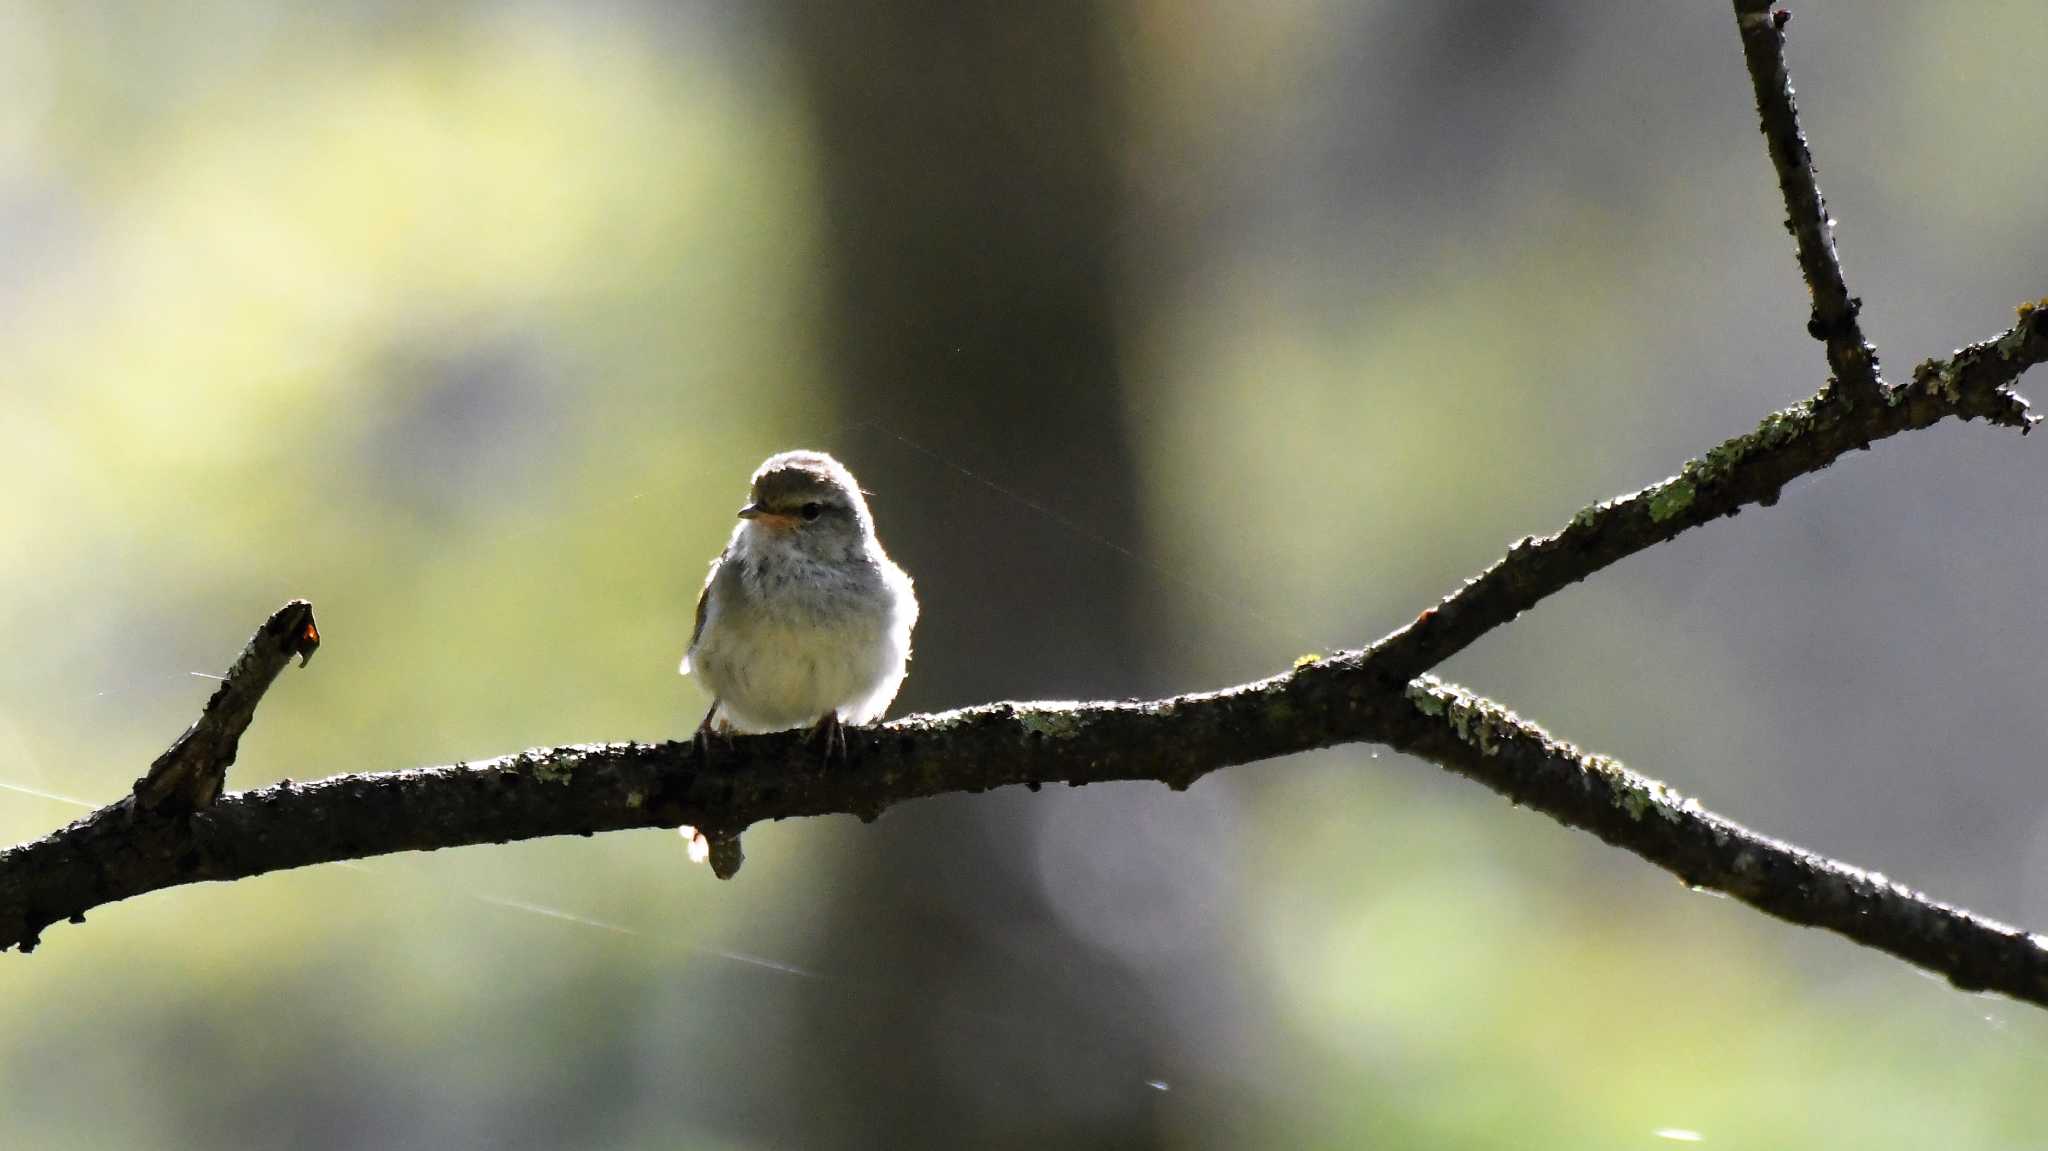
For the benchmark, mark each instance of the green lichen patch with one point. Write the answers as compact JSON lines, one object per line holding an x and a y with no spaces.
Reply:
{"x":1478,"y":722}
{"x":561,"y":764}
{"x":1429,"y":702}
{"x":554,"y":768}
{"x":942,"y":720}
{"x":1639,"y":795}
{"x":1946,"y":383}
{"x":1783,"y":426}
{"x":1671,"y":498}
{"x":1056,"y":720}
{"x":1587,"y":515}
{"x":1489,"y":727}
{"x":1773,"y":432}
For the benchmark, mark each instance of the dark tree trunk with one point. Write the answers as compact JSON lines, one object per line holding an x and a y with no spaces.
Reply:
{"x":971,"y":190}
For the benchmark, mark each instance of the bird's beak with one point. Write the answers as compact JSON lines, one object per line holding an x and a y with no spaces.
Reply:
{"x":763,"y":516}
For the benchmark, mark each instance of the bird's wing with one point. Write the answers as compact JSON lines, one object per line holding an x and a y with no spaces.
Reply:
{"x":703,"y":609}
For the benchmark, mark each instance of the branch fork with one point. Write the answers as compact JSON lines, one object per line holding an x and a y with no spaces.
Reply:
{"x":179,"y":827}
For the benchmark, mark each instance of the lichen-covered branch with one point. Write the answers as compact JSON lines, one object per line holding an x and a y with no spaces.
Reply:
{"x":127,"y":849}
{"x":109,"y":856}
{"x":1973,"y":384}
{"x":174,"y":831}
{"x":1484,"y":742}
{"x":1833,"y":321}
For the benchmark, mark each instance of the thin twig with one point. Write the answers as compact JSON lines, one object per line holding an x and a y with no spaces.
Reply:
{"x":190,"y":773}
{"x":1833,"y":320}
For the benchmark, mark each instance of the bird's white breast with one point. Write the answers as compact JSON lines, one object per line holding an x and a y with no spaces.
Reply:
{"x":789,"y":639}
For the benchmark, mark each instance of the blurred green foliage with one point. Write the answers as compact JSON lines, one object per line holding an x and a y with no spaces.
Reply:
{"x":466,"y":324}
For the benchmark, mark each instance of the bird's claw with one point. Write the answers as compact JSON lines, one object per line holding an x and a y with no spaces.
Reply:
{"x":706,"y":729}
{"x":830,"y":734}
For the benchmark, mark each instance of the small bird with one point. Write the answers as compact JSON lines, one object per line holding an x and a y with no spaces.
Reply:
{"x":804,"y":620}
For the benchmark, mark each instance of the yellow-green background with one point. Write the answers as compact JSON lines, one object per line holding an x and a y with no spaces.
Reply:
{"x":467,"y":321}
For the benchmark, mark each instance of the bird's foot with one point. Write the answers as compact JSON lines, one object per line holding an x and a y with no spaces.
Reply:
{"x":830,"y":735}
{"x":707,"y":729}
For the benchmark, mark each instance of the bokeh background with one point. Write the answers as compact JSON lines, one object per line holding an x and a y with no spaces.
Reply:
{"x":1175,"y":340}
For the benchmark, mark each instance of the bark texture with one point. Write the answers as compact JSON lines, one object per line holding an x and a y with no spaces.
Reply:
{"x":178,"y":829}
{"x":1806,"y":212}
{"x":117,"y":852}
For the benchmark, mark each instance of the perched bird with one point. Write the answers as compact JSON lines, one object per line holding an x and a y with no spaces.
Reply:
{"x":804,"y":620}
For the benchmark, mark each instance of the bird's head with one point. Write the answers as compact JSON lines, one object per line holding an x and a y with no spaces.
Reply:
{"x":809,"y":502}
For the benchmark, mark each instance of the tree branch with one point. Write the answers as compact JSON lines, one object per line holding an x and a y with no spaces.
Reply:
{"x":174,"y":831}
{"x":1833,"y":321}
{"x":1482,"y":741}
{"x":129,"y":849}
{"x":580,"y":790}
{"x":1975,"y":383}
{"x":126,"y":850}
{"x":190,"y":773}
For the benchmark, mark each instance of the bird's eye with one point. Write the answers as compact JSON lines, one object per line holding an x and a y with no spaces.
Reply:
{"x":813,"y":510}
